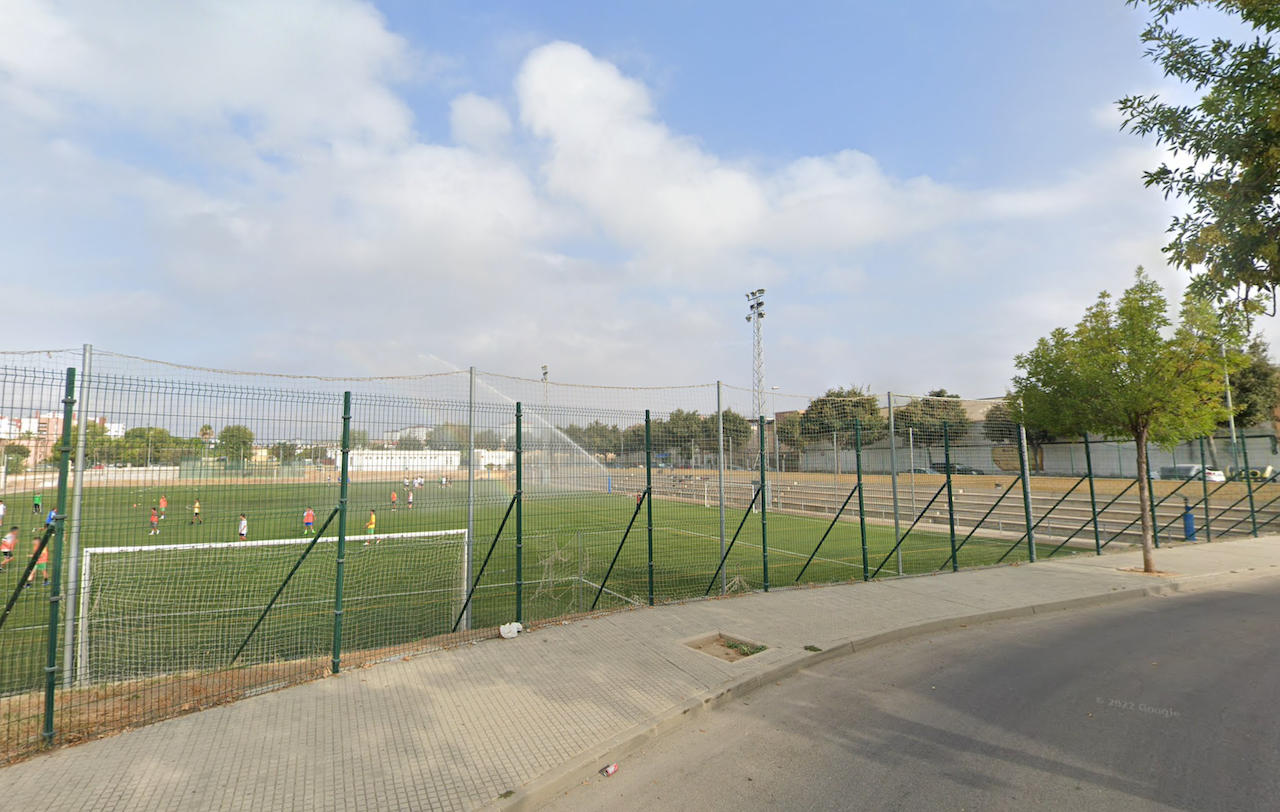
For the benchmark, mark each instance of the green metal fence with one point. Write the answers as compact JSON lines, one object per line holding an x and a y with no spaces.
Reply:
{"x":214,"y":535}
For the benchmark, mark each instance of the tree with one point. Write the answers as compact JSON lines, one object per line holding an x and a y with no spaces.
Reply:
{"x":1001,"y":426}
{"x":833,"y":416}
{"x":737,"y":429}
{"x":1255,"y":389}
{"x":1117,"y":374}
{"x":410,"y":442}
{"x":283,"y":453}
{"x":359,"y":438}
{"x":15,"y":457}
{"x":235,"y":442}
{"x":148,"y":445}
{"x":923,"y":418}
{"x":1232,"y":140}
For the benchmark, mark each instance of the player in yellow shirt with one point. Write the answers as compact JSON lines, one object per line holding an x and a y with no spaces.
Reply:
{"x":371,"y":526}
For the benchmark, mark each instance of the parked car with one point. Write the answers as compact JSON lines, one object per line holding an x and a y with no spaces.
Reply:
{"x":957,"y":468}
{"x":920,"y":471}
{"x":1190,"y":471}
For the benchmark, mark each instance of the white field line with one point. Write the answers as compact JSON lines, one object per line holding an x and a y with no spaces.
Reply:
{"x":212,"y":545}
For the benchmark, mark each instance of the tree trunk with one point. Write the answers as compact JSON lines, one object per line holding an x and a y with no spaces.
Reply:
{"x":1213,"y":453}
{"x":1144,"y":503}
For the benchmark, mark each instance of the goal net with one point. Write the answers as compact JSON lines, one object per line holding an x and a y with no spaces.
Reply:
{"x":147,"y":610}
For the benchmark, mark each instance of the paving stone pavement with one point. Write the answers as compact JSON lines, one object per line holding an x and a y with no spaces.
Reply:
{"x":455,"y":729}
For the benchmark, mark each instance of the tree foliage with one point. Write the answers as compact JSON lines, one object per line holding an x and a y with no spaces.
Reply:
{"x":409,"y":442}
{"x":835,"y":413}
{"x":923,"y":418}
{"x":1128,"y":370}
{"x":1255,"y":388}
{"x":235,"y":442}
{"x":1001,"y":426}
{"x":1229,"y":142}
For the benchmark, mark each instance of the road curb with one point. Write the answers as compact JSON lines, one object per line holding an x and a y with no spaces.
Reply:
{"x":586,"y":765}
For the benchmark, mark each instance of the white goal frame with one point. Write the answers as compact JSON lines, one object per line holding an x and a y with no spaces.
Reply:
{"x":86,"y":571}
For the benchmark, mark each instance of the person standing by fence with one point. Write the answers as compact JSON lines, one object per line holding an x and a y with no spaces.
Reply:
{"x":308,"y":522}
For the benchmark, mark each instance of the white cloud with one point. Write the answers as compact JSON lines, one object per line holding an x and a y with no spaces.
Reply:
{"x":273,"y":204}
{"x":479,"y":123}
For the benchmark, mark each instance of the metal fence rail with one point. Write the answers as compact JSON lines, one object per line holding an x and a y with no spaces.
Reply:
{"x":188,"y":516}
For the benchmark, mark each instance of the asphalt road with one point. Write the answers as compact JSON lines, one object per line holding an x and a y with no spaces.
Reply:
{"x":1153,"y":704}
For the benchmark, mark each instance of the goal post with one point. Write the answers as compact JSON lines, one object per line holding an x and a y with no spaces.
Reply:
{"x":151,"y":609}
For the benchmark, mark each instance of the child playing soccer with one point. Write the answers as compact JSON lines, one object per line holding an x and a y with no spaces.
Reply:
{"x":195,"y":513}
{"x":308,"y":521}
{"x":42,"y":565}
{"x":244,"y":528}
{"x":371,"y":526}
{"x":394,"y":497}
{"x":155,"y":523}
{"x":7,"y":544}
{"x":164,"y":504}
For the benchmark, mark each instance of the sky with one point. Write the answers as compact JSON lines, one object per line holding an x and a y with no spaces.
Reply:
{"x":335,"y":187}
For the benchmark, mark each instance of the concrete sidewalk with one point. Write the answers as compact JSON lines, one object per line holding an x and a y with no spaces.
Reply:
{"x":524,"y":718}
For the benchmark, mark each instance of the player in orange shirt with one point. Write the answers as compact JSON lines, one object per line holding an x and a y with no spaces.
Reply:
{"x":164,"y":504}
{"x":308,"y":521}
{"x":42,"y":565}
{"x":394,"y":497}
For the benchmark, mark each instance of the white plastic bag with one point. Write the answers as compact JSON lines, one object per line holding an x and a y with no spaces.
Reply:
{"x":510,"y":630}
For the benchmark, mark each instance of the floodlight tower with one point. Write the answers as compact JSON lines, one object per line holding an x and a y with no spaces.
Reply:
{"x":755,"y":300}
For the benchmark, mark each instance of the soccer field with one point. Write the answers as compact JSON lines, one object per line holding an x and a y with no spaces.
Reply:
{"x":162,"y":611}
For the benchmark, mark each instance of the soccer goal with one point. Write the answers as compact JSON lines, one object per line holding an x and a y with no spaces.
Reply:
{"x":146,"y":610}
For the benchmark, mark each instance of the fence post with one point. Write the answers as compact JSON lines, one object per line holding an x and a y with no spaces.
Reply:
{"x":1151,"y":498}
{"x":764,"y":509}
{"x":951,"y":505}
{"x":648,"y":485}
{"x":1093,"y":497}
{"x":1248,"y":481}
{"x":862,"y":507}
{"x":469,"y":553}
{"x":73,"y":543}
{"x":519,"y":513}
{"x":55,"y":597}
{"x":1204,"y":486}
{"x":343,"y":490}
{"x":893,"y":482}
{"x":1026,"y":492}
{"x":724,"y":576}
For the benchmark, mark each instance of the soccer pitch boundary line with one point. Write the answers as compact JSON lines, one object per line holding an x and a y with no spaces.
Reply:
{"x":213,"y":545}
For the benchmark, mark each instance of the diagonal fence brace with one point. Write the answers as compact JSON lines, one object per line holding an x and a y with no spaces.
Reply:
{"x":618,"y":552}
{"x":830,"y":527}
{"x":1046,"y":515}
{"x":31,"y":566}
{"x":280,"y":591}
{"x":729,"y":549}
{"x":472,"y":591}
{"x":923,"y":511}
{"x":985,"y":516}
